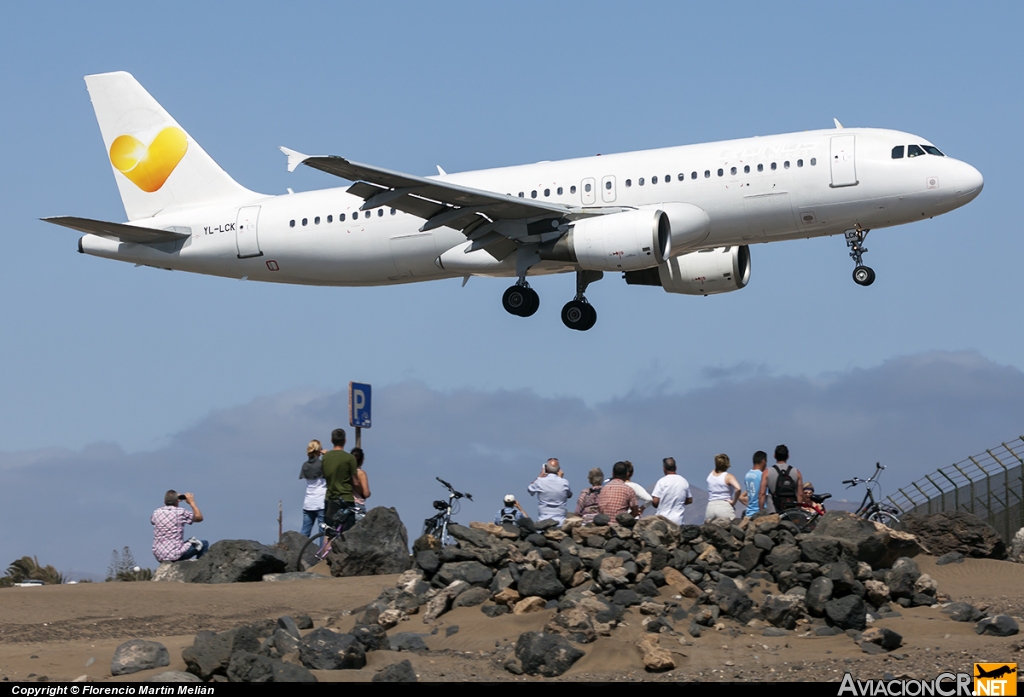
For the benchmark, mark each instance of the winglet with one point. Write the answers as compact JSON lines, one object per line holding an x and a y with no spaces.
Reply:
{"x":295,"y":158}
{"x":838,"y":125}
{"x":440,"y":171}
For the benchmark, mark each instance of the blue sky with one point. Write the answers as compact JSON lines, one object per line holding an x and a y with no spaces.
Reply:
{"x":96,"y":352}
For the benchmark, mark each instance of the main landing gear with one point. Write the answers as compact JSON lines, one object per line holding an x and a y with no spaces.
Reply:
{"x":862,"y":275}
{"x":579,"y":314}
{"x":520,"y":299}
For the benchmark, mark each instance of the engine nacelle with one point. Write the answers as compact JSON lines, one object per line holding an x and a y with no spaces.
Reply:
{"x":690,"y":225}
{"x":625,"y":241}
{"x":707,"y":272}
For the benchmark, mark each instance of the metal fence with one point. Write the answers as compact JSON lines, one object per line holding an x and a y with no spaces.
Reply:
{"x":989,"y":485}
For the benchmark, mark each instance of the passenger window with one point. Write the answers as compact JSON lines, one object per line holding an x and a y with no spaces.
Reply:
{"x":572,"y":189}
{"x":668,"y":178}
{"x":547,"y":192}
{"x":914,"y":151}
{"x":380,"y":212}
{"x":774,"y":166}
{"x":654,"y":180}
{"x":533,"y":194}
{"x":746,"y":169}
{"x":330,"y":219}
{"x":932,"y":150}
{"x":760,"y":168}
{"x":720,"y":172}
{"x":559,"y":191}
{"x":693,"y":175}
{"x":814,"y":161}
{"x":732,"y":171}
{"x":393,"y":211}
{"x":291,"y":223}
{"x":786,"y":164}
{"x":520,"y":194}
{"x":341,"y":218}
{"x":305,"y":222}
{"x":629,"y":183}
{"x":682,"y":177}
{"x":316,"y":220}
{"x":608,"y":185}
{"x":799,"y":163}
{"x":640,"y":181}
{"x":587,"y":188}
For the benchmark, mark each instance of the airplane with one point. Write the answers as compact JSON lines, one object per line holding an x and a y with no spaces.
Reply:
{"x":682,"y":218}
{"x":995,"y":672}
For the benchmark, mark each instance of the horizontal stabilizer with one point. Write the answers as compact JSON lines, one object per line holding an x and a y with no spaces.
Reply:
{"x":117,"y":231}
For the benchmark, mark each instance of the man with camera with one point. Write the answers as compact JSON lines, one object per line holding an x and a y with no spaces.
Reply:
{"x":169,"y":521}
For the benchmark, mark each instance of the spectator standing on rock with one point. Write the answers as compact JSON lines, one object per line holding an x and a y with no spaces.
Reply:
{"x":364,"y":484}
{"x":783,"y":482}
{"x":341,"y":473}
{"x":316,"y":488}
{"x":671,"y":494}
{"x":169,"y":521}
{"x":511,"y":512}
{"x":616,"y":495}
{"x":752,"y":484}
{"x":643,"y":499}
{"x":552,"y":491}
{"x":586,"y":506}
{"x":723,"y":491}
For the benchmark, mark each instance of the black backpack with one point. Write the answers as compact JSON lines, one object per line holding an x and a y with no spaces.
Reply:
{"x":785,"y":494}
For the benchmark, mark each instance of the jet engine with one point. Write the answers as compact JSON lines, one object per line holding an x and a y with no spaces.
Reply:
{"x":625,"y":241}
{"x":707,"y":272}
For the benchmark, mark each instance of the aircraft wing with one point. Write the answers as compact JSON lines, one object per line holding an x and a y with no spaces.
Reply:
{"x":438,"y":202}
{"x":117,"y":231}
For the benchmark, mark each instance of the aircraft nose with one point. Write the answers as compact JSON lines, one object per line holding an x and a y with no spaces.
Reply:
{"x":969,"y":182}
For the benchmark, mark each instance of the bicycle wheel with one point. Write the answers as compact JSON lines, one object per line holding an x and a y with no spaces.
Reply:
{"x":308,"y":555}
{"x":804,"y":520}
{"x":889,"y":520}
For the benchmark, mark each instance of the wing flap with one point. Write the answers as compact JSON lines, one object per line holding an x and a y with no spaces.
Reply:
{"x":117,"y":231}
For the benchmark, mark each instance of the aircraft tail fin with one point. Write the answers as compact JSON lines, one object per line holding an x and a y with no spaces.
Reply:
{"x":159,"y":168}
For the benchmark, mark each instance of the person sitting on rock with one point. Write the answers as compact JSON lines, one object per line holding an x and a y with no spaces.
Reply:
{"x":169,"y":521}
{"x":511,"y":512}
{"x":617,"y":496}
{"x":586,"y":506}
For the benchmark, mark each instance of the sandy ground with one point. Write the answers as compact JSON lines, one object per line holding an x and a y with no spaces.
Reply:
{"x":63,"y":632}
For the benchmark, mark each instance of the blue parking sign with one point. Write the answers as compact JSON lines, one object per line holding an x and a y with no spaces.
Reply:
{"x":358,"y":405}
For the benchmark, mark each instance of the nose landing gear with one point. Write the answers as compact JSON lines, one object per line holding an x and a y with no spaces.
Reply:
{"x":862,"y":275}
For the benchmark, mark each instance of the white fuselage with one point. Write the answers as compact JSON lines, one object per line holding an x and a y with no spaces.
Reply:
{"x":762,"y":189}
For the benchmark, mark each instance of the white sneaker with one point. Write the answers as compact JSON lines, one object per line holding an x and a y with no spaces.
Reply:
{"x":196,"y":542}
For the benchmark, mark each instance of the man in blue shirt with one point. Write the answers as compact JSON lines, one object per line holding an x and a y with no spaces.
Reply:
{"x":752,"y":484}
{"x":552,"y":491}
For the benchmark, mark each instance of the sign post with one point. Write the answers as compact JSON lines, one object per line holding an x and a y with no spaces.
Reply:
{"x":359,"y":409}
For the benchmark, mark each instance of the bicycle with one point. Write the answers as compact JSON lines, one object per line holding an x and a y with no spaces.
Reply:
{"x":318,"y":546}
{"x":439,"y":522}
{"x":869,"y":508}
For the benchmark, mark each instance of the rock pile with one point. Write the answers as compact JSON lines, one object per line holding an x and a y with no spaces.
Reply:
{"x":956,"y":531}
{"x":836,"y":580}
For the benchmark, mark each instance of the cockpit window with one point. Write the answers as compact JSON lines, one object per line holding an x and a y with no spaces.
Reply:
{"x":914,"y":151}
{"x":932,"y":150}
{"x":897,"y":152}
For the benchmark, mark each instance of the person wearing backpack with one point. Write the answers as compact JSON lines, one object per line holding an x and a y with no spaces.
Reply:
{"x":511,"y":512}
{"x":782,"y":482}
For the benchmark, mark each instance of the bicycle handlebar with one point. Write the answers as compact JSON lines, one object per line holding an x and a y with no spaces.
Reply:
{"x":456,"y":494}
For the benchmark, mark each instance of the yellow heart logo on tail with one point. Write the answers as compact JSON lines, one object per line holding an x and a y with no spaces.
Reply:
{"x":149,"y":167}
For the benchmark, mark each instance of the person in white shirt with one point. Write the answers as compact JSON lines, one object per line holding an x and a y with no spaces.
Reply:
{"x":643,"y":499}
{"x":671,"y":494}
{"x":723,"y":491}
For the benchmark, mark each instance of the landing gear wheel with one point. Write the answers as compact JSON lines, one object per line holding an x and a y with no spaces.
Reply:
{"x":520,"y":300}
{"x":579,"y":315}
{"x":863,"y":276}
